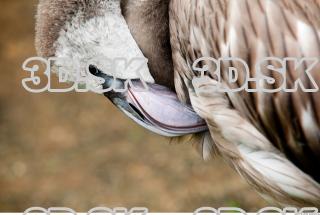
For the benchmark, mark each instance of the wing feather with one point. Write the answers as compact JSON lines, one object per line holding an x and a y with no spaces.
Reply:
{"x":252,"y":30}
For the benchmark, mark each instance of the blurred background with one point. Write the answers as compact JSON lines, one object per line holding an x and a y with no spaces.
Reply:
{"x":78,"y":151}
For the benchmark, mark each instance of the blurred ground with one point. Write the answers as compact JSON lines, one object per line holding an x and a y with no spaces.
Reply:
{"x":76,"y":150}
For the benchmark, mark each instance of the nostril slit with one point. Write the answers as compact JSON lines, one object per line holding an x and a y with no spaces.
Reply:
{"x":136,"y":110}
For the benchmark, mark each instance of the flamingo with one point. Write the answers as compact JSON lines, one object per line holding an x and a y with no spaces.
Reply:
{"x":271,"y":139}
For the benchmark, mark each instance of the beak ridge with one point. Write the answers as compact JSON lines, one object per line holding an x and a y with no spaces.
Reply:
{"x":156,"y":109}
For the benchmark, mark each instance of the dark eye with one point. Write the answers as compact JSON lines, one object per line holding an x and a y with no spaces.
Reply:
{"x":94,"y":70}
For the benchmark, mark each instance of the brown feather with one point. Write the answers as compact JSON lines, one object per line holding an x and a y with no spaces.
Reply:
{"x":251,"y":30}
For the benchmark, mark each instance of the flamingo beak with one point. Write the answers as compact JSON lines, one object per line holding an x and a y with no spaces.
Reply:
{"x":156,"y":108}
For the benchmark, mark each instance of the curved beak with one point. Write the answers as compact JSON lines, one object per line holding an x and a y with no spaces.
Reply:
{"x":152,"y":106}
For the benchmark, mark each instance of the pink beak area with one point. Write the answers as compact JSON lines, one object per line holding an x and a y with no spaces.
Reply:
{"x":156,"y":108}
{"x":162,"y":110}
